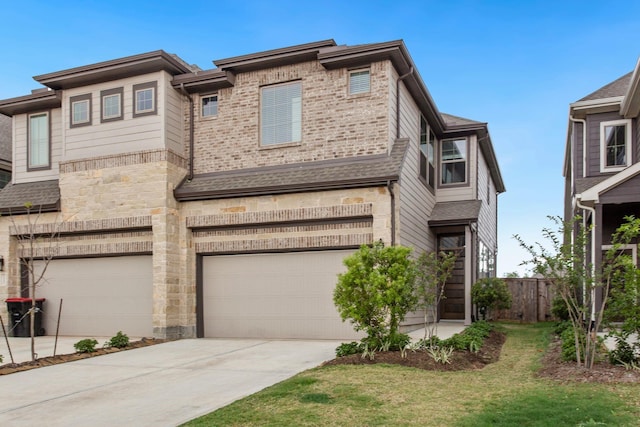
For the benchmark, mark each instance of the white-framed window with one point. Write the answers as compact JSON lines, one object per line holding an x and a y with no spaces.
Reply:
{"x":453,"y":161}
{"x":209,"y":105}
{"x":144,"y":99}
{"x":427,"y":153}
{"x":39,"y":141}
{"x":359,"y":81}
{"x":80,"y":110}
{"x":111,"y":105}
{"x":281,"y":114}
{"x":615,"y":145}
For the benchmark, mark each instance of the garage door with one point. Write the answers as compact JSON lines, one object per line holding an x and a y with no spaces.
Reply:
{"x":283,"y":295}
{"x":101,"y":296}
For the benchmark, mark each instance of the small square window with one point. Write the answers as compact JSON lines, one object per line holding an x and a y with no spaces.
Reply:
{"x":209,"y":105}
{"x":359,"y":82}
{"x":111,"y":101}
{"x":144,"y":99}
{"x":80,"y":111}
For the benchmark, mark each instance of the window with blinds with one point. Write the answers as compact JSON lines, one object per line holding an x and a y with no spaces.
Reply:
{"x":359,"y":82}
{"x":281,"y":114}
{"x":39,"y":140}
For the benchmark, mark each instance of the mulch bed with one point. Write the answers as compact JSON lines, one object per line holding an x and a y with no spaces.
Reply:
{"x":10,"y":368}
{"x":460,"y":360}
{"x":602,"y":372}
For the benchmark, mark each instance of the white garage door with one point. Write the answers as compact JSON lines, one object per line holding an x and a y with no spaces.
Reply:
{"x":280,"y":295}
{"x":101,"y":296}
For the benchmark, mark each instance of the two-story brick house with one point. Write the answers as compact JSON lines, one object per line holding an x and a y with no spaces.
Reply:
{"x":602,"y":161}
{"x":222,"y":202}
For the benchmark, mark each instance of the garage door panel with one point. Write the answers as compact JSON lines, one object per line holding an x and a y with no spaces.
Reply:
{"x":101,"y":296}
{"x":284,"y":295}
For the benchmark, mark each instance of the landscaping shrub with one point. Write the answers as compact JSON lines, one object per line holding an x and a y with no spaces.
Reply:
{"x":559,"y":309}
{"x":625,"y":353}
{"x":120,"y":340}
{"x":87,"y":345}
{"x":347,"y":349}
{"x":376,"y":291}
{"x":471,"y":338}
{"x":490,"y":293}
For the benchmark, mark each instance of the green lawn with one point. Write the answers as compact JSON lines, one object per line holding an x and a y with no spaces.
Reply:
{"x":505,"y":393}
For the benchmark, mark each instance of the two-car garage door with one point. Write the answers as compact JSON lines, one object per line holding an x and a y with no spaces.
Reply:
{"x":273,"y":295}
{"x":101,"y":296}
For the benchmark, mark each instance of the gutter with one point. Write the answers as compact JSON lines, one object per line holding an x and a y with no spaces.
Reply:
{"x":584,"y":148}
{"x":191,"y":131}
{"x":393,"y":212}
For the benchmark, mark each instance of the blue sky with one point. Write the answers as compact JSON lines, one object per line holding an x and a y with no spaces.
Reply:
{"x":513,"y":64}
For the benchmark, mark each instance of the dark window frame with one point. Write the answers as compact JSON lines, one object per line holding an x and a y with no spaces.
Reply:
{"x":442,"y":162}
{"x":140,"y":87}
{"x":48,"y":165}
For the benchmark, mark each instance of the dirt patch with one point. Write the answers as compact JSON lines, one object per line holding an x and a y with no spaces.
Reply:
{"x":460,"y":360}
{"x":603,"y":372}
{"x":10,"y":368}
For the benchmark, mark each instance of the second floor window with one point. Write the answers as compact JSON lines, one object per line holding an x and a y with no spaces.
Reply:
{"x":359,"y":82}
{"x":454,"y":161}
{"x":38,"y":148}
{"x":209,"y":105}
{"x":615,"y":141}
{"x":427,"y":150}
{"x":144,"y":99}
{"x":80,"y":110}
{"x":281,"y":114}
{"x":111,"y":101}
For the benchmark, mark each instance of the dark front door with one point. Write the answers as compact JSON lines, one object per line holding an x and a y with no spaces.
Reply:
{"x":452,"y":305}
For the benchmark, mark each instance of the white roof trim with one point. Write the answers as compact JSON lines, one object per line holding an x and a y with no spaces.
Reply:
{"x":633,"y":88}
{"x":597,"y":102}
{"x":593,"y":193}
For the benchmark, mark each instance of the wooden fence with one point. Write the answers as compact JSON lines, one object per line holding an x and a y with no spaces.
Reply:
{"x":530,"y":300}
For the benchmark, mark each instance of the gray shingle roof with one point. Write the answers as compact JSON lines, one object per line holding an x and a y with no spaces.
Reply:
{"x":583,"y":184}
{"x":451,"y":120}
{"x":617,"y":87}
{"x":447,"y":213}
{"x":5,"y":138}
{"x":44,"y":195}
{"x":331,"y":174}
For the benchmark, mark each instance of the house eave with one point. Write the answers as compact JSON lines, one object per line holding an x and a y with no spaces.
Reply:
{"x":38,"y":100}
{"x":204,"y":81}
{"x":630,"y":106}
{"x":115,"y":69}
{"x":593,"y":194}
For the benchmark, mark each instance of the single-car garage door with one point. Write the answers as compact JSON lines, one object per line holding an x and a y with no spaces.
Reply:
{"x":101,"y":296}
{"x":274,"y":295}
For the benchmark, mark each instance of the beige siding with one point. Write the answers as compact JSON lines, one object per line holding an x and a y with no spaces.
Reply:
{"x":414,"y":199}
{"x":487,"y":227}
{"x":174,"y":134}
{"x":463,"y":192}
{"x":20,"y":149}
{"x":334,"y":124}
{"x":121,"y":136}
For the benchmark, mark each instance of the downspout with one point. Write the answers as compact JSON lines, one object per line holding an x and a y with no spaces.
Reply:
{"x":593,"y":255}
{"x":584,"y":148}
{"x":402,"y":77}
{"x":191,"y":131}
{"x":393,"y":212}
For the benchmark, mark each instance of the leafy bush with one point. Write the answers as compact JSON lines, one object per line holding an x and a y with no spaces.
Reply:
{"x":347,"y":349}
{"x":490,"y":293}
{"x":472,"y":338}
{"x":559,"y":309}
{"x":376,"y":291}
{"x":568,"y":345}
{"x":120,"y":340}
{"x":87,"y":345}
{"x":624,"y":353}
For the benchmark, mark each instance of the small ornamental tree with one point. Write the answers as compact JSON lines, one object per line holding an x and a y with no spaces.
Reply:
{"x":376,"y":291}
{"x":577,"y":282}
{"x":433,"y":270}
{"x":488,"y":294}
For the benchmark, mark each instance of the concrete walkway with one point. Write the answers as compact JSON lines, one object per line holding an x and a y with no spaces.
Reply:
{"x":160,"y":385}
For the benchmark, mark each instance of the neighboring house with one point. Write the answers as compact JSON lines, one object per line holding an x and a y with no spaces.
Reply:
{"x":5,"y":150}
{"x":221,"y":203}
{"x":602,"y":161}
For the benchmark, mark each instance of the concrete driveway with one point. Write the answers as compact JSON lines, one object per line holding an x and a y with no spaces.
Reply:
{"x":160,"y":385}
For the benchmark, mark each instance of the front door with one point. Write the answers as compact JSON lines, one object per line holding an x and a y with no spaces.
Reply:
{"x":452,"y":303}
